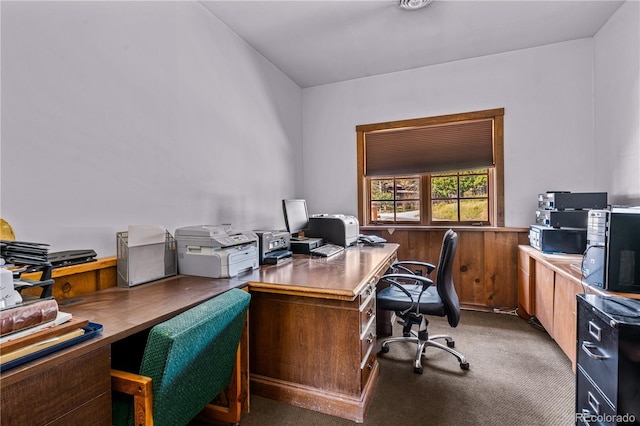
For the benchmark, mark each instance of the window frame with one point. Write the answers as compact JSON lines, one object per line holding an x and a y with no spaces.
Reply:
{"x":495,"y":175}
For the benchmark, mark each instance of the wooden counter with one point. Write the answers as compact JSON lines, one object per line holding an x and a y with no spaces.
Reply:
{"x":547,"y":289}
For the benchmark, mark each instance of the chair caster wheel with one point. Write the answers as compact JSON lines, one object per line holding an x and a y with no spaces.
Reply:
{"x":464,"y":365}
{"x":417,"y":370}
{"x":451,"y":344}
{"x":384,"y":349}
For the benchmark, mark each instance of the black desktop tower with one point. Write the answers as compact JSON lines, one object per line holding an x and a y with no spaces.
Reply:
{"x":612,"y":258}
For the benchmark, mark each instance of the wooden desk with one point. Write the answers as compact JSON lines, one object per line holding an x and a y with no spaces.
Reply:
{"x":73,"y":386}
{"x":312,"y":326}
{"x":547,"y":289}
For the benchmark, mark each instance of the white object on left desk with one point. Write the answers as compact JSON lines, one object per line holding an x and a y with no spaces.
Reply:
{"x":9,"y":296}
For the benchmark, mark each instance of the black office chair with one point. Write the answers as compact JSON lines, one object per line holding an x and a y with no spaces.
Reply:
{"x":412,"y":295}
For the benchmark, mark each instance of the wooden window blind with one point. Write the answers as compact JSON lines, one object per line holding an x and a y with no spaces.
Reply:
{"x":465,"y":145}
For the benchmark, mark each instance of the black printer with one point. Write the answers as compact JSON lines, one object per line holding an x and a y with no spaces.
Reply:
{"x":339,"y":229}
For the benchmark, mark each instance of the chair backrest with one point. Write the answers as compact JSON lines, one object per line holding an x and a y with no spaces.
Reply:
{"x":191,"y":357}
{"x":444,"y":278}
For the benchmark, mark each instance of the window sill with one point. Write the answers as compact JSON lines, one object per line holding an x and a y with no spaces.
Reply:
{"x":466,"y":228}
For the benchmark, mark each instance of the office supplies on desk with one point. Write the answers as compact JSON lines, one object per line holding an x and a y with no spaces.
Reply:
{"x":371,"y":240}
{"x":24,"y":252}
{"x":276,"y":257}
{"x":296,"y":218}
{"x":270,"y":242}
{"x":71,"y":257}
{"x":25,"y":256}
{"x":9,"y":296}
{"x":27,"y":314}
{"x":557,"y":240}
{"x":49,"y":346}
{"x":327,"y":250}
{"x":60,"y":322}
{"x":216,"y":251}
{"x":145,"y":254}
{"x":337,"y":229}
{"x":305,"y":245}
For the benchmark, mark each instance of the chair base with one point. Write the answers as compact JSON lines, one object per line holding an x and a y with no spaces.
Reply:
{"x":421,"y":346}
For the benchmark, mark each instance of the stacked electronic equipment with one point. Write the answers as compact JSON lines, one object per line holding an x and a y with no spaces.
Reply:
{"x":562,"y":220}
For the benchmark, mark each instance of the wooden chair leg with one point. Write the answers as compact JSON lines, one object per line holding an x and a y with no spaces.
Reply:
{"x":141,"y":388}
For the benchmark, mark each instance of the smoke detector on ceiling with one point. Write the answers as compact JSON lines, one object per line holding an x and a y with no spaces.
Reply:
{"x":413,"y":4}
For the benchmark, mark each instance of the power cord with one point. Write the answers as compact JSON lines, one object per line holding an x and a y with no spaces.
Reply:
{"x":535,"y":323}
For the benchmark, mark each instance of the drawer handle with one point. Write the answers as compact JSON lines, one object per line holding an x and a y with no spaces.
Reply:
{"x":370,"y":338}
{"x":588,"y":346}
{"x":370,"y":313}
{"x":593,"y":402}
{"x":595,"y":331}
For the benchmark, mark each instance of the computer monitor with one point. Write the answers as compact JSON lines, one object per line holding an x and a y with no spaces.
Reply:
{"x":296,"y":216}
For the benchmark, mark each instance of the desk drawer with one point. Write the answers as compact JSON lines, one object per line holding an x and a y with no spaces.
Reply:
{"x":367,"y":312}
{"x":368,"y":291}
{"x":591,"y":405}
{"x":95,"y":412}
{"x":366,"y":368}
{"x":368,"y":340}
{"x":597,"y":351}
{"x":58,"y":391}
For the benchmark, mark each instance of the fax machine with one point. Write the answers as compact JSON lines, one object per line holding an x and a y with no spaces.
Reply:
{"x":339,"y":229}
{"x":215,"y":251}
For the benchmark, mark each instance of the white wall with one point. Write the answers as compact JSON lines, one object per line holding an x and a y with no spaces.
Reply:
{"x":548,"y":124}
{"x":118,"y":113}
{"x":617,"y":104}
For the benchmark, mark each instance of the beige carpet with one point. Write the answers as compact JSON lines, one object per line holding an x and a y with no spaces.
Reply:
{"x":517,"y":375}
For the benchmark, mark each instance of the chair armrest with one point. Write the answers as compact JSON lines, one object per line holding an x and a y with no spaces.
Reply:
{"x":391,"y":279}
{"x":418,"y":279}
{"x":402,"y":264}
{"x":141,"y":388}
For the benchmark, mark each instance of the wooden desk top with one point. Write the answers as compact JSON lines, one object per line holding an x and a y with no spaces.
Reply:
{"x":562,"y":264}
{"x":126,"y":311}
{"x":341,"y":276}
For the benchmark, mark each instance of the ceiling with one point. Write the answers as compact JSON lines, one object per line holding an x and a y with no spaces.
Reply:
{"x":320,"y":42}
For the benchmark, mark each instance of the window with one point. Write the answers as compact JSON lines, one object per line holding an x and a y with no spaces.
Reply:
{"x":395,"y":199}
{"x":445,"y":170}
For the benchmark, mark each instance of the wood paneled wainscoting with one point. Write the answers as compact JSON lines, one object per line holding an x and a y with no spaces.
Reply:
{"x":485,"y":266}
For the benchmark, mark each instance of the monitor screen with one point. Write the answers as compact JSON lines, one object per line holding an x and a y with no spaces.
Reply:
{"x":295,"y":216}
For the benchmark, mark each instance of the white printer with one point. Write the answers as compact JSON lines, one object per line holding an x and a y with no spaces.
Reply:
{"x":339,"y":229}
{"x":215,"y":251}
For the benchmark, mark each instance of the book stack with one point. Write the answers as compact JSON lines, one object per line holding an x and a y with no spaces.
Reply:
{"x":34,"y":326}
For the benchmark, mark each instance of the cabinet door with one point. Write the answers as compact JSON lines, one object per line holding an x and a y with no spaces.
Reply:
{"x":525,"y":286}
{"x":544,"y":287}
{"x":564,"y":316}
